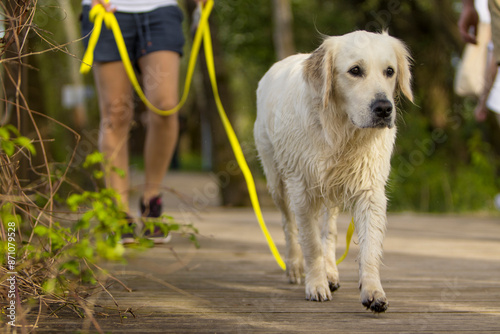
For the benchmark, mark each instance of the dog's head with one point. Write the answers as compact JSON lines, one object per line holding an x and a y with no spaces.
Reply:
{"x":361,"y":73}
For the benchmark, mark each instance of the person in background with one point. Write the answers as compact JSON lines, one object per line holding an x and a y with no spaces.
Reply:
{"x":472,"y":13}
{"x":152,"y":30}
{"x":467,"y":25}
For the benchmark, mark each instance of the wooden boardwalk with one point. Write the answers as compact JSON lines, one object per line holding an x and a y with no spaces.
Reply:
{"x":441,"y":275}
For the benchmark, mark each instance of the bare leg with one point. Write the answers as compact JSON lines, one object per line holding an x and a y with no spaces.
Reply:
{"x":160,"y":72}
{"x":481,"y":110}
{"x":116,"y":108}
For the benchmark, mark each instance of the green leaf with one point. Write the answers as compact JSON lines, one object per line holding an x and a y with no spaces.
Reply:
{"x":12,"y":129}
{"x":49,"y":285}
{"x":82,"y":224}
{"x":98,"y":174}
{"x":109,"y":252}
{"x":93,"y":159}
{"x":119,"y":171}
{"x":8,"y":147}
{"x":41,"y":230}
{"x":72,"y":266}
{"x":194,"y":240}
{"x":74,"y":201}
{"x":84,"y":250}
{"x":4,"y":133}
{"x":87,"y":277}
{"x":26,"y":143}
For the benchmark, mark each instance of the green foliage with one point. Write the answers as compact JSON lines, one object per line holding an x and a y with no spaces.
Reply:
{"x":431,"y":173}
{"x":10,"y":138}
{"x":476,"y":183}
{"x":96,"y":160}
{"x":7,"y":214}
{"x":67,"y":255}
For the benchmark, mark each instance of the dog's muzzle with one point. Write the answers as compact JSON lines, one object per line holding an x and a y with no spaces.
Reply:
{"x":382,"y":111}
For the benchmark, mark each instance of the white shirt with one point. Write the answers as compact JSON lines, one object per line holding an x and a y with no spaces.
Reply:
{"x":136,"y":6}
{"x":482,"y":10}
{"x":493,"y":102}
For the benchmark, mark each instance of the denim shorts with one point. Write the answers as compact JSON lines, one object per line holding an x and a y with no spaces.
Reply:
{"x":158,"y":30}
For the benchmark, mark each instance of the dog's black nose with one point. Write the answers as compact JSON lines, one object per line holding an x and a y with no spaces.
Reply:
{"x":382,"y":108}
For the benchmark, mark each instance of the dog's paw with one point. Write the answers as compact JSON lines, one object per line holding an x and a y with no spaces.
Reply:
{"x":332,"y":275}
{"x":295,"y":272}
{"x":334,"y":286}
{"x":318,"y":292}
{"x":376,"y":301}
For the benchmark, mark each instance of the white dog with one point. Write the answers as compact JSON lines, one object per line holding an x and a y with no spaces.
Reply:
{"x":325,"y":131}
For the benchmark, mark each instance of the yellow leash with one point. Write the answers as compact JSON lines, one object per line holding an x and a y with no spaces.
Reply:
{"x":348,"y":237}
{"x":99,"y":15}
{"x":240,"y":158}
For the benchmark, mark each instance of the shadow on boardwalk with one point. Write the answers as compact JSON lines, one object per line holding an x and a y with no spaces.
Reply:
{"x":440,"y":273}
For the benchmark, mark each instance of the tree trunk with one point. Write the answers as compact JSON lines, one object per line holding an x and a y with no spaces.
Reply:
{"x":14,"y":73}
{"x":76,"y":79}
{"x":224,"y":168}
{"x":283,"y":28}
{"x":10,"y":52}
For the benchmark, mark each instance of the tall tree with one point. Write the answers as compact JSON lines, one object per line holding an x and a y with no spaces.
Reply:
{"x":14,"y":44}
{"x":231,"y":182}
{"x":76,"y":79}
{"x":283,"y":28}
{"x":13,"y":80}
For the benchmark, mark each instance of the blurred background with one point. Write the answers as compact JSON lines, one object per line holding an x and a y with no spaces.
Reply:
{"x":444,"y":161}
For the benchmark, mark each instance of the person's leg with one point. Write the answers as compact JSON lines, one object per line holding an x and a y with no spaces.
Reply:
{"x":116,"y":107}
{"x":481,"y":110}
{"x":160,"y":71}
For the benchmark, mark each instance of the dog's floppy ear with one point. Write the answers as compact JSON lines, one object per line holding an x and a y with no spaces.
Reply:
{"x":319,"y":71}
{"x":404,"y":75}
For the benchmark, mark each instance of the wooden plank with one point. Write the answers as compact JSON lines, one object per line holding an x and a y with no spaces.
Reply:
{"x":441,"y":275}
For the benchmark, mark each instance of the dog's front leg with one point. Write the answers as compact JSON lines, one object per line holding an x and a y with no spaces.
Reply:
{"x":370,"y":220}
{"x":307,"y":214}
{"x":329,"y":234}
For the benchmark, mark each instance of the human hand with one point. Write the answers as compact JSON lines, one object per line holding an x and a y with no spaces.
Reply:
{"x":481,"y":112}
{"x":467,"y":24}
{"x":107,"y":5}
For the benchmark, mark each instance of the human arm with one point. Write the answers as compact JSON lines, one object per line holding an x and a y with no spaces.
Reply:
{"x":107,"y":5}
{"x":468,"y":19}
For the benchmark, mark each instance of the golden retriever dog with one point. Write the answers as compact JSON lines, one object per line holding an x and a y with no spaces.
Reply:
{"x":325,"y":131}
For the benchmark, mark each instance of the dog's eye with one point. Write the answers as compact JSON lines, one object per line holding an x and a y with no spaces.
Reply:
{"x":356,"y":71}
{"x":389,"y":72}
